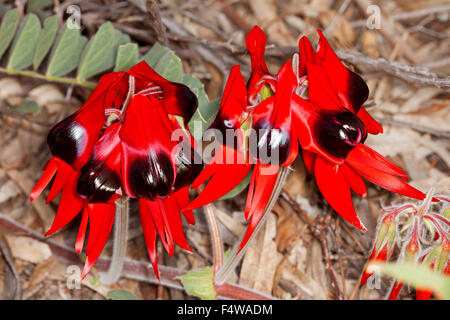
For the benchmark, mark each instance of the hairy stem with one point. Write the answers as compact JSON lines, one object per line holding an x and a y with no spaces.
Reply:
{"x":216,"y":240}
{"x":235,"y":256}
{"x":119,"y":244}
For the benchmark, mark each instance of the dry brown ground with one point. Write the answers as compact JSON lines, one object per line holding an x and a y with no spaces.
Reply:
{"x":287,"y":259}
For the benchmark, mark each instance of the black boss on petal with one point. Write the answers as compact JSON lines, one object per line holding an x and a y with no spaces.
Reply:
{"x":272,"y":145}
{"x":97,"y":182}
{"x":189,"y":166}
{"x":67,"y":139}
{"x":338,"y":134}
{"x":151,"y":176}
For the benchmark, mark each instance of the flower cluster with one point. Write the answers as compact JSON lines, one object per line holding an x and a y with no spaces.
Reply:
{"x":121,"y":139}
{"x":422,"y":235}
{"x":120,"y":143}
{"x":312,"y":106}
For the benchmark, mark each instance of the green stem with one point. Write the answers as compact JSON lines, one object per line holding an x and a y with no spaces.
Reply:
{"x":36,"y":75}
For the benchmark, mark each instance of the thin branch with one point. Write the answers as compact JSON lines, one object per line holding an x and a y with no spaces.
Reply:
{"x":132,"y":269}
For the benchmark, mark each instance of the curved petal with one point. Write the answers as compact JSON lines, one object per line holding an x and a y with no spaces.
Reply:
{"x":350,"y":87}
{"x":70,"y":205}
{"x":224,"y":176}
{"x":50,"y":170}
{"x":100,"y":176}
{"x":355,"y":182}
{"x":73,"y":138}
{"x":373,"y":127}
{"x":149,"y":233}
{"x":256,"y":46}
{"x":170,"y":208}
{"x":307,"y":55}
{"x":336,"y":191}
{"x":148,"y":164}
{"x":177,"y":99}
{"x":182,"y":198}
{"x":234,"y":102}
{"x":101,"y":220}
{"x":370,"y":158}
{"x":387,"y":181}
{"x":263,"y":185}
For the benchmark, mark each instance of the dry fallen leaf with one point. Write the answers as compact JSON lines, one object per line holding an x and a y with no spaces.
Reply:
{"x":28,"y":249}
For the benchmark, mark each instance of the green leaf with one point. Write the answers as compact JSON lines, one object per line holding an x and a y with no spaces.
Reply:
{"x":419,"y":276}
{"x":197,"y":88}
{"x":23,"y":49}
{"x":127,"y":56}
{"x":46,"y":39}
{"x":203,"y":117}
{"x":35,"y":5}
{"x":27,"y":106}
{"x":8,"y":29}
{"x":199,"y":283}
{"x":66,"y":52}
{"x":165,"y":62}
{"x":98,"y":55}
{"x":240,"y":187}
{"x":120,"y":295}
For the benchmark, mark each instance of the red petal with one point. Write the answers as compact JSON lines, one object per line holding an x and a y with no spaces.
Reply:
{"x":265,"y":177}
{"x":69,"y":206}
{"x":355,"y":182}
{"x":149,"y":233}
{"x":387,"y":181}
{"x":101,"y":220}
{"x":182,"y":198}
{"x":62,"y":176}
{"x":423,"y":294}
{"x":256,"y":46}
{"x":306,"y":54}
{"x":234,"y":101}
{"x":170,"y":208}
{"x":373,"y":127}
{"x":308,"y":159}
{"x":336,"y":191}
{"x":350,"y":87}
{"x":177,"y":98}
{"x":320,"y":90}
{"x":148,"y":163}
{"x":82,"y":231}
{"x":395,"y":290}
{"x":224,"y":176}
{"x":47,"y":176}
{"x":368,"y":157}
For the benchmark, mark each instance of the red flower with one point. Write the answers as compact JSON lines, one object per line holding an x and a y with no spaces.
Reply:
{"x":121,"y":137}
{"x":274,"y":142}
{"x":332,"y":126}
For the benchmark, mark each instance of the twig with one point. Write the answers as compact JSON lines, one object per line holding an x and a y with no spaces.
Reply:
{"x":160,"y":29}
{"x":132,"y":269}
{"x":317,"y":227}
{"x":416,"y":127}
{"x":10,"y":263}
{"x":402,"y":71}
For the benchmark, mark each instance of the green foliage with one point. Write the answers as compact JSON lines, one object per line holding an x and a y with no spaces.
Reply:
{"x":46,"y":39}
{"x":8,"y":29}
{"x":419,"y":276}
{"x":66,"y":52}
{"x":199,"y":283}
{"x":120,"y":295}
{"x":127,"y":56}
{"x":23,"y":48}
